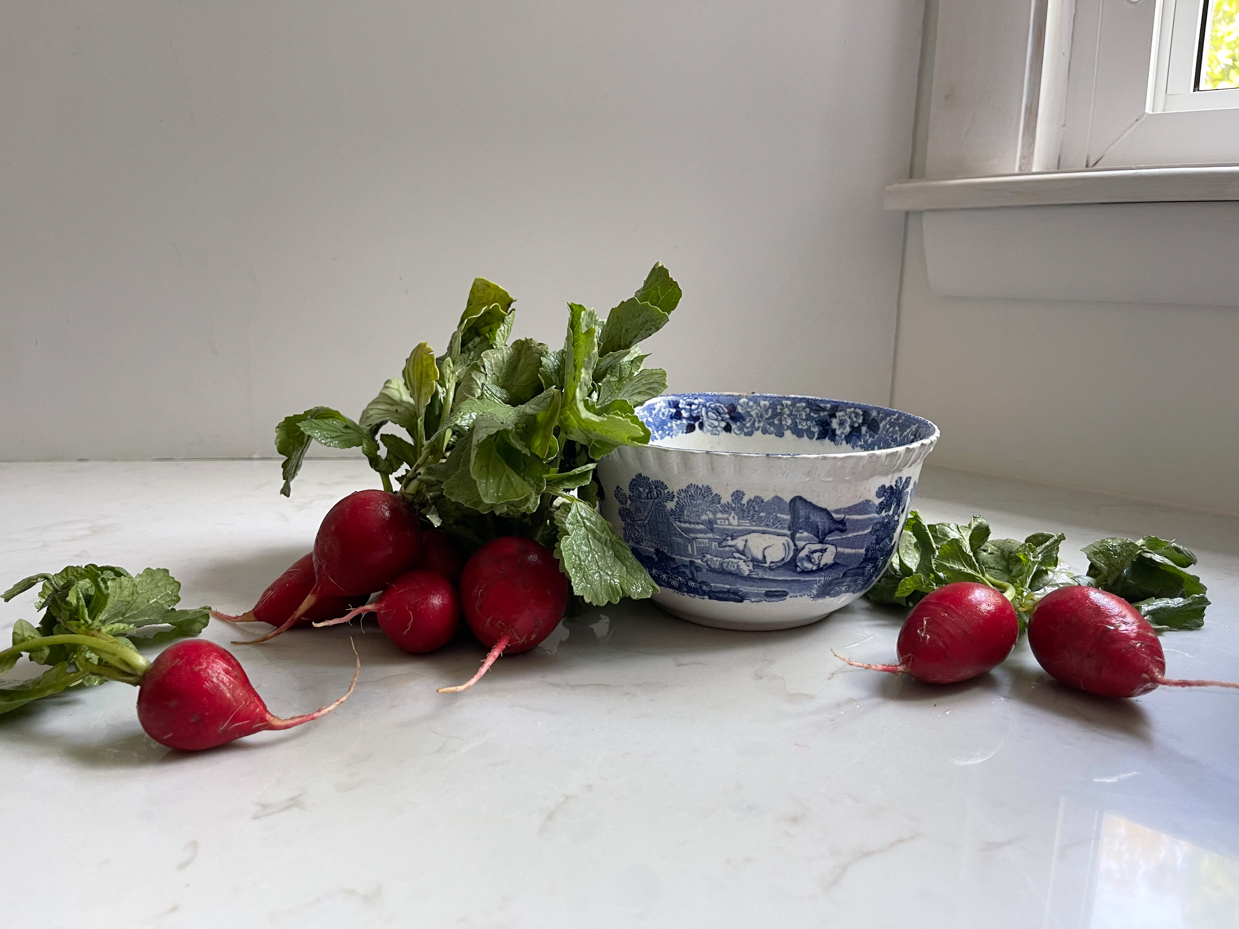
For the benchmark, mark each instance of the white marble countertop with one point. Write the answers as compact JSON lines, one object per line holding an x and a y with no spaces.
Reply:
{"x":638,"y":771}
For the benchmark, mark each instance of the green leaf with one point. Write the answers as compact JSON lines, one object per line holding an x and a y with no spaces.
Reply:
{"x":394,"y":404}
{"x":23,"y":634}
{"x":598,"y":562}
{"x":1151,"y":574}
{"x":580,"y":352}
{"x":292,"y":441}
{"x":480,"y":476}
{"x":52,"y":681}
{"x":907,"y":558}
{"x":1043,"y":554}
{"x":551,"y":372}
{"x":600,"y":429}
{"x":139,"y":601}
{"x":475,"y":408}
{"x":485,"y":323}
{"x":1004,"y":560}
{"x":1150,"y":568}
{"x":336,"y":433}
{"x":570,"y":480}
{"x":399,"y":449}
{"x":1109,"y":558}
{"x":421,"y":376}
{"x":630,"y":359}
{"x":504,"y":474}
{"x":978,"y":533}
{"x":456,"y":478}
{"x":1172,"y":551}
{"x":913,"y":556}
{"x":659,"y":289}
{"x":627,"y":380}
{"x":629,"y":323}
{"x":1174,"y":612}
{"x":181,"y":624}
{"x":956,"y":562}
{"x":915,"y":583}
{"x":924,"y":539}
{"x":23,"y":585}
{"x":513,"y":371}
{"x":538,"y":428}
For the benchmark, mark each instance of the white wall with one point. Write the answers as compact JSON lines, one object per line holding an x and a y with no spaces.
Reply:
{"x":216,"y":214}
{"x":1134,"y":399}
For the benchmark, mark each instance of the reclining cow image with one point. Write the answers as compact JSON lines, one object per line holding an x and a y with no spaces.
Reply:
{"x":805,"y":541}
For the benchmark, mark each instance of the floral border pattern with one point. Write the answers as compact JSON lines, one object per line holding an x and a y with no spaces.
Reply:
{"x":857,"y":426}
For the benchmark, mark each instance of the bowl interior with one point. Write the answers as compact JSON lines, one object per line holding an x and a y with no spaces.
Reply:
{"x":773,"y":424}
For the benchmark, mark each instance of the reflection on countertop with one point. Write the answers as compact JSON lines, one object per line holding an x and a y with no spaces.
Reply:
{"x":634,"y":770}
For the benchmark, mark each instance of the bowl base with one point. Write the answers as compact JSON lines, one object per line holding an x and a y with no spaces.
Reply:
{"x":739,"y":624}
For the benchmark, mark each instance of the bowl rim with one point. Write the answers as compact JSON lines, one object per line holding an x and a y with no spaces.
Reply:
{"x":928,"y":442}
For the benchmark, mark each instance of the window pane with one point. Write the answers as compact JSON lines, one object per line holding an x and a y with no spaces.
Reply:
{"x":1219,"y":66}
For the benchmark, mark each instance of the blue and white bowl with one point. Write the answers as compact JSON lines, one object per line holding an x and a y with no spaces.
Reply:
{"x":754,"y":511}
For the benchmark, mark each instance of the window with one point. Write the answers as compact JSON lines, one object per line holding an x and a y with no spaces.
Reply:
{"x":1148,"y":83}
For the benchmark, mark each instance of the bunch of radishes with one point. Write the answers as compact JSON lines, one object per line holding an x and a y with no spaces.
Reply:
{"x":194,"y":695}
{"x":1087,"y":638}
{"x":972,"y":596}
{"x":512,"y":590}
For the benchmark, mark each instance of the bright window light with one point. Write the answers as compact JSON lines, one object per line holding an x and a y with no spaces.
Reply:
{"x":1219,"y":64}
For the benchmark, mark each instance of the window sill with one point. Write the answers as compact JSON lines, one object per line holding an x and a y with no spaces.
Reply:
{"x":1126,"y":185}
{"x":1144,"y":235}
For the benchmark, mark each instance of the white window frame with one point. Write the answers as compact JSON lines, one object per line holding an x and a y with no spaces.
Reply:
{"x":1129,"y":100}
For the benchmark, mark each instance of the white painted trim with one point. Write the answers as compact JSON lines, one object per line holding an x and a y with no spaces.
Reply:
{"x":1126,"y":185}
{"x":1092,"y":253}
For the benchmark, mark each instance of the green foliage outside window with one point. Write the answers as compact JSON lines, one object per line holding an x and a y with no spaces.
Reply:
{"x":1221,"y":64}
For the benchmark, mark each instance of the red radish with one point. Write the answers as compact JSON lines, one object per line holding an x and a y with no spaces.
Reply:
{"x":439,"y":553}
{"x":196,"y":695}
{"x":419,"y":611}
{"x":514,"y":595}
{"x":1098,"y":642}
{"x":364,"y":541}
{"x":285,"y":594}
{"x":955,"y":633}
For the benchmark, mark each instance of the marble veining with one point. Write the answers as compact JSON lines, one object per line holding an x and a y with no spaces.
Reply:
{"x":639,"y":770}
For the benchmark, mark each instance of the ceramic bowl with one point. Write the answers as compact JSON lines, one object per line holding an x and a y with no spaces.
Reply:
{"x":754,"y":511}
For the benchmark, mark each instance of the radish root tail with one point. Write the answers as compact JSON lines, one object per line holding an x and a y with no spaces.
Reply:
{"x":347,"y":617}
{"x":888,"y":668}
{"x":490,"y":660}
{"x":233,"y":620}
{"x":1169,"y":683}
{"x":275,"y":722}
{"x":308,"y":602}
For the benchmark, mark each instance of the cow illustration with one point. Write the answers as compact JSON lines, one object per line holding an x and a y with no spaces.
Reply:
{"x":762,"y":548}
{"x":814,"y":520}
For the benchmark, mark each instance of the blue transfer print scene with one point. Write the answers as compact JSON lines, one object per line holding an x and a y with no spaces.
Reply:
{"x":742,"y":549}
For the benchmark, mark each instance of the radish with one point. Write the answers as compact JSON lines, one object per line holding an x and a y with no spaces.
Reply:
{"x":285,"y":594}
{"x":196,"y":695}
{"x":364,"y":541}
{"x":1098,"y":642}
{"x":955,"y":633}
{"x":514,"y":595}
{"x":419,"y":611}
{"x":440,"y":554}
